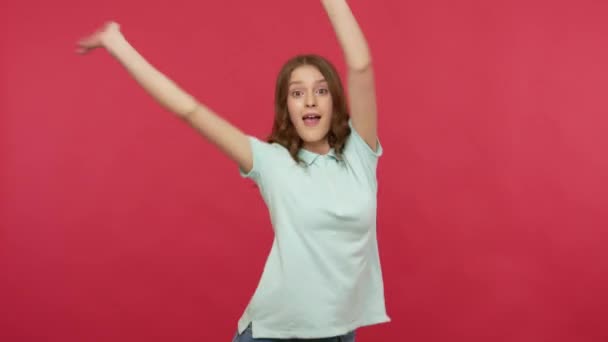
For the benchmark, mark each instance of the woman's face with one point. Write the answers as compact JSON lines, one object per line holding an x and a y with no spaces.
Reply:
{"x":309,"y":103}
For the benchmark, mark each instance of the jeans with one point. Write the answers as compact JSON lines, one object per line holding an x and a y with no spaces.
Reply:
{"x":247,"y":337}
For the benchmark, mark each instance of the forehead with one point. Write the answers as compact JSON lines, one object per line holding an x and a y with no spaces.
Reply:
{"x":307,"y":74}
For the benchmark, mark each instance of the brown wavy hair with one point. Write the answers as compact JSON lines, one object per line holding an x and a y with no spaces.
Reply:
{"x":283,"y":130}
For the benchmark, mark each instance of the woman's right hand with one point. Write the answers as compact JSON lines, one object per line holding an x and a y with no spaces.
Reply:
{"x":99,"y":38}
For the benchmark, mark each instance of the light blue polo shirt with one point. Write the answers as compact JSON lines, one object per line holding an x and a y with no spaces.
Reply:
{"x":322,"y":277}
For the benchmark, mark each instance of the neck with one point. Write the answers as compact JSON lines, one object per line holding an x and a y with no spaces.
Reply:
{"x":319,"y":147}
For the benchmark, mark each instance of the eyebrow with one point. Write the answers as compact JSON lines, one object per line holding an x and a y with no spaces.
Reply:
{"x":300,"y":82}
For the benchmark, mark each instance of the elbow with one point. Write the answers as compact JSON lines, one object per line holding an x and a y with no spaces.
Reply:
{"x":361,"y":64}
{"x":187,"y":112}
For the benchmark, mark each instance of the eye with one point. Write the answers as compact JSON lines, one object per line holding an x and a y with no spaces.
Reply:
{"x":323,"y":91}
{"x":296,"y":93}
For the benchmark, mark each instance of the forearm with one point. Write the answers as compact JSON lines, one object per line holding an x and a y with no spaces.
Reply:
{"x":349,"y":34}
{"x":161,"y":88}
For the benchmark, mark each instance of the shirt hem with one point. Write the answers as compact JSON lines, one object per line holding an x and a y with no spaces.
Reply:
{"x":259,"y":330}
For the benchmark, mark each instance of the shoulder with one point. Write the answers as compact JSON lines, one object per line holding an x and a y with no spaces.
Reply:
{"x":266,"y":156}
{"x":263,"y":146}
{"x":355,"y":145}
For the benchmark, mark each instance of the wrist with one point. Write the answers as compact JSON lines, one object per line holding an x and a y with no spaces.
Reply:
{"x":112,"y":40}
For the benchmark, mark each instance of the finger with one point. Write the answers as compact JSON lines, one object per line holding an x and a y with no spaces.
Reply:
{"x":81,"y":50}
{"x":86,"y":42}
{"x":112,"y":25}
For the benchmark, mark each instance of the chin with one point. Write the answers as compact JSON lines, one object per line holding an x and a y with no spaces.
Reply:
{"x":313,"y":137}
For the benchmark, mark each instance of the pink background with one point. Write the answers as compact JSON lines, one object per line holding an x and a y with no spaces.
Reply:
{"x":119,"y":223}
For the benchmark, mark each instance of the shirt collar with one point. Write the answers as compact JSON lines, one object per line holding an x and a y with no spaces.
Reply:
{"x":309,"y":157}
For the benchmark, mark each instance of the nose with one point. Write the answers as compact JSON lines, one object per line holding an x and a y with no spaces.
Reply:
{"x":311,"y":100}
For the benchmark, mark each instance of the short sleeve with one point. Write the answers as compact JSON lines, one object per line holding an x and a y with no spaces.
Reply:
{"x":357,"y":147}
{"x":361,"y":158}
{"x":263,"y":154}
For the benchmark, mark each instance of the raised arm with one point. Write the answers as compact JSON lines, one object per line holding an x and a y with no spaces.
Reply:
{"x":215,"y":129}
{"x":360,"y":82}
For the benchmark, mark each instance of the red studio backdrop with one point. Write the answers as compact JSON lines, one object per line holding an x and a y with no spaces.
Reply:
{"x":120,"y":223}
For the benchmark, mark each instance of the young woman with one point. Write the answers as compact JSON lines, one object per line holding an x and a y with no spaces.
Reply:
{"x":316,"y":173}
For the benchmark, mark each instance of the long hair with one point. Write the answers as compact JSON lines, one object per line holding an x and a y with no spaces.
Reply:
{"x":283,"y":130}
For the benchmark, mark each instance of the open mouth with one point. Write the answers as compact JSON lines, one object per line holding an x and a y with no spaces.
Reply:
{"x":311,"y":119}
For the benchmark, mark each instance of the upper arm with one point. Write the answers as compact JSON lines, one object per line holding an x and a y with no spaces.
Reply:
{"x":362,"y":103}
{"x":228,"y":138}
